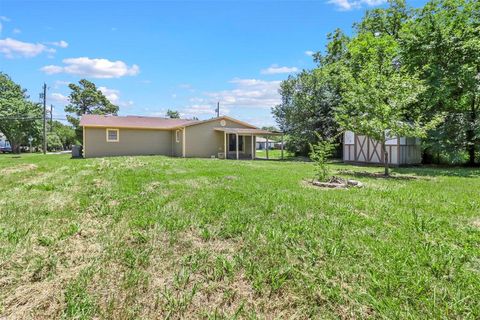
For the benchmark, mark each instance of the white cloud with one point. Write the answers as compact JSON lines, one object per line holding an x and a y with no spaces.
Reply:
{"x":3,"y":18}
{"x":309,"y":53}
{"x":95,"y":68}
{"x":113,"y":96}
{"x":274,"y":69}
{"x":345,"y":5}
{"x":248,"y":93}
{"x":197,"y":110}
{"x":16,"y":31}
{"x":58,"y":98}
{"x":61,"y":44}
{"x":12,"y":48}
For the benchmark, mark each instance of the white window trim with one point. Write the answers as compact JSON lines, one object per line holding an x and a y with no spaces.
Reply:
{"x":112,"y":129}
{"x":177,"y":136}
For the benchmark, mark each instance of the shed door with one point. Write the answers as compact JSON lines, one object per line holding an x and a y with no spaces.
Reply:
{"x":361,"y":145}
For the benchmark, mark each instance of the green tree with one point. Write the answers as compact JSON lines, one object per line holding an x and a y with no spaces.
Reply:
{"x":309,"y":99}
{"x":380,"y":98}
{"x":442,"y":42}
{"x":53,"y":142}
{"x":19,"y":117}
{"x":307,"y":107}
{"x":172,"y":114}
{"x":65,"y":133}
{"x":85,"y":98}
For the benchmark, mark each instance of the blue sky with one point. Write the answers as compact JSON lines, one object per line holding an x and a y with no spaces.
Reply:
{"x":150,"y":56}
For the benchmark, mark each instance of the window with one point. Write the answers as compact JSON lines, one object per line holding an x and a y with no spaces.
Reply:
{"x":113,"y":135}
{"x":177,"y":136}
{"x":232,"y":143}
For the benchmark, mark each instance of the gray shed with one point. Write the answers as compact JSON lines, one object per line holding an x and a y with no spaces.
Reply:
{"x":362,"y":149}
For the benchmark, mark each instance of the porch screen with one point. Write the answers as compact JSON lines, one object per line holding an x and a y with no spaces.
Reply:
{"x":232,"y":143}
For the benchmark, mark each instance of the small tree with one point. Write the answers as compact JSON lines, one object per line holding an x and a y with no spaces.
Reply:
{"x":381,"y":98}
{"x":319,"y":154}
{"x":172,"y":114}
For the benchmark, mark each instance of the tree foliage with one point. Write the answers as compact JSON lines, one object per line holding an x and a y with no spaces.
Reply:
{"x":380,"y":99}
{"x":19,"y":117}
{"x":411,"y":66}
{"x":172,"y":114}
{"x":85,"y":98}
{"x":65,"y":133}
{"x":320,"y":152}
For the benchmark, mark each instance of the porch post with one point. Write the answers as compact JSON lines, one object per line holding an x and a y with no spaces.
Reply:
{"x":236,"y":140}
{"x":225,"y":152}
{"x":253,"y":156}
{"x":266,"y":147}
{"x":282,"y":145}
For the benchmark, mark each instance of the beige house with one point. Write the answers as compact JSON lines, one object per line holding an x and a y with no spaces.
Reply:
{"x":221,"y":137}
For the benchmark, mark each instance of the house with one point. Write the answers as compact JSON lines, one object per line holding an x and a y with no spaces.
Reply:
{"x":362,"y":149}
{"x":221,"y":137}
{"x":261,"y":143}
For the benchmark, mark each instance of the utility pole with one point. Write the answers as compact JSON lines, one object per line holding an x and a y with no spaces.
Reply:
{"x":218,"y":109}
{"x":44,"y":95}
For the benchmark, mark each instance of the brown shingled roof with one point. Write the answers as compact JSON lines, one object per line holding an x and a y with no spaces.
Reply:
{"x":92,"y":120}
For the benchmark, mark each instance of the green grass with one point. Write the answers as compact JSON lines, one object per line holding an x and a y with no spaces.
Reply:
{"x":157,"y":237}
{"x":273,"y":154}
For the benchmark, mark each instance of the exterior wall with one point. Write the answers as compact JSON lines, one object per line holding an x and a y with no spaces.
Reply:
{"x":203,"y":141}
{"x":177,"y":146}
{"x":131,"y":142}
{"x":401,"y":151}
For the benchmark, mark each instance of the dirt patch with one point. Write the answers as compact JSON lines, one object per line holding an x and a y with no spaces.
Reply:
{"x":19,"y":168}
{"x":476,"y":223}
{"x":335,"y":183}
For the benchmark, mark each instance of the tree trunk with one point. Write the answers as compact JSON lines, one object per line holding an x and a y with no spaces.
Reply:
{"x":385,"y":159}
{"x":15,"y":147}
{"x":470,"y":134}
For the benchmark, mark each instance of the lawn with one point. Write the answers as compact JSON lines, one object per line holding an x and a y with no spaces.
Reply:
{"x":273,"y":154}
{"x":158,"y":237}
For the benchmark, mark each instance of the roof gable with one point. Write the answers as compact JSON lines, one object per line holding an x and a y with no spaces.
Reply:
{"x":223,"y":118}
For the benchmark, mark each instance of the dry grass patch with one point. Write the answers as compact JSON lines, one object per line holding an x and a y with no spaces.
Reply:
{"x":19,"y":168}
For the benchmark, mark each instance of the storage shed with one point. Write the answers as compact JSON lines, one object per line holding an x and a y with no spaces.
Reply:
{"x":362,"y":149}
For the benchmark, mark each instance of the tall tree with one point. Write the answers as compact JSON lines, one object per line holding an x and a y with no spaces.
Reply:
{"x":380,"y":97}
{"x":442,"y":41}
{"x":172,"y":114}
{"x":307,"y":107}
{"x":386,"y":21}
{"x":19,"y":117}
{"x":85,"y":98}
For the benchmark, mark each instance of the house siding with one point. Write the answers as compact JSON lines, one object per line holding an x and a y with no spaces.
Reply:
{"x":131,"y":142}
{"x":203,"y":141}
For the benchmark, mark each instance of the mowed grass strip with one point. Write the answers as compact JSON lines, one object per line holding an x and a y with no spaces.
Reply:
{"x":157,"y":237}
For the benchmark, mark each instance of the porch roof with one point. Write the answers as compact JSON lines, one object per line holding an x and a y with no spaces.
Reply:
{"x":248,"y":131}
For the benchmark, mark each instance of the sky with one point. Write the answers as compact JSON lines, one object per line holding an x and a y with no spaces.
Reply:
{"x":151,"y":56}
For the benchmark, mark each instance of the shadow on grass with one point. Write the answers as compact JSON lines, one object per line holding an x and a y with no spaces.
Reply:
{"x":417,"y":171}
{"x":377,"y":175}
